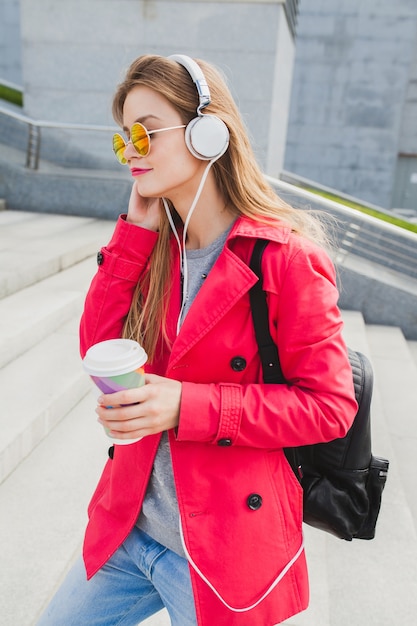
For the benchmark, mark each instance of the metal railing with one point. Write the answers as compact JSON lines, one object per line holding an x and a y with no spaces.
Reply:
{"x":357,"y":233}
{"x":33,"y":146}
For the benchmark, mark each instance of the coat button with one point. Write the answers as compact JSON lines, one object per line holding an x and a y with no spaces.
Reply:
{"x":238,"y":363}
{"x":100,"y":258}
{"x":254,"y":501}
{"x":224,"y":442}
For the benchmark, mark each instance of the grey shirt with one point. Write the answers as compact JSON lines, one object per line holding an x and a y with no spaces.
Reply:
{"x":159,"y":517}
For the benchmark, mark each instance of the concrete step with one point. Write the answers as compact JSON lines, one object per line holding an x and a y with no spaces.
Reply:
{"x":43,"y":293}
{"x":354,"y":332}
{"x":43,"y":512}
{"x":412,"y":346}
{"x":35,"y":246}
{"x":396,"y":376}
{"x":38,"y":389}
{"x":29,"y":315}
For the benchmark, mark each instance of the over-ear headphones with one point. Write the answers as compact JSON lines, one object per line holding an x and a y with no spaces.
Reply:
{"x":206,"y":136}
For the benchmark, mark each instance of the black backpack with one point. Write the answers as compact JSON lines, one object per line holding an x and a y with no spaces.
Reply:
{"x":342,"y":481}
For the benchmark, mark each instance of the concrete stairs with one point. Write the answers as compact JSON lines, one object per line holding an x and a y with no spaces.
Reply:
{"x":52,"y":450}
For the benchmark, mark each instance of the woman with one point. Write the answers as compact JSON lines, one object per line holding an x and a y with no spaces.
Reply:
{"x":203,"y":515}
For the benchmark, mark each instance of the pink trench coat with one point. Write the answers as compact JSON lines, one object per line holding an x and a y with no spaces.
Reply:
{"x":232,"y":428}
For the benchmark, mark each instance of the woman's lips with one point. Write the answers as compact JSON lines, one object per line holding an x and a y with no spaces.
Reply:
{"x":136,"y":171}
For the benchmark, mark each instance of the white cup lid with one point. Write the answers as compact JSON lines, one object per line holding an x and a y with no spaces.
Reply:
{"x":114,"y":357}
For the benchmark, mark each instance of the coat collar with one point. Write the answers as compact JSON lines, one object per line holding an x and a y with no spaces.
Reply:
{"x":227,"y":282}
{"x":273,"y":231}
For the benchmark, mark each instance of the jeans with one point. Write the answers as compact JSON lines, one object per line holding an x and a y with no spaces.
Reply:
{"x":141,"y":578}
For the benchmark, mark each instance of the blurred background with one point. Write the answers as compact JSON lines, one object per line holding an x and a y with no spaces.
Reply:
{"x":328,"y":88}
{"x":328,"y":91}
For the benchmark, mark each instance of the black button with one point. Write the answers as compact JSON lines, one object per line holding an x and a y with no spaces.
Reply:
{"x":111,"y":452}
{"x":224,"y":442}
{"x":100,"y":258}
{"x":238,"y":363}
{"x":254,"y":501}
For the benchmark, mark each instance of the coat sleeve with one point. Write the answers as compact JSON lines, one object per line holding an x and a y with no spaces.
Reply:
{"x":318,"y":403}
{"x":121,"y":263}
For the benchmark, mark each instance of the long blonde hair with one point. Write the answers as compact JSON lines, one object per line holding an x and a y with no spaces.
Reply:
{"x":237,"y":175}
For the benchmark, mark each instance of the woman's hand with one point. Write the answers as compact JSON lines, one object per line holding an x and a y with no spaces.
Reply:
{"x":146,"y":410}
{"x":145,"y":212}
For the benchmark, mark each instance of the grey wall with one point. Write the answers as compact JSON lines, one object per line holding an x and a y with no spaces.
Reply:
{"x":350,"y":85}
{"x":408,"y":129}
{"x":74,"y":52}
{"x":405,"y":187}
{"x":10,"y":62}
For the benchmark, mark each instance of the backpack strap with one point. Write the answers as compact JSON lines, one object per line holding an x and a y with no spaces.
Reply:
{"x":268,"y":351}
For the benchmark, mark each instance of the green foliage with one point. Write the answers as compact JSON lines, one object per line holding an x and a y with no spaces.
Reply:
{"x":396,"y":221}
{"x":11,"y":95}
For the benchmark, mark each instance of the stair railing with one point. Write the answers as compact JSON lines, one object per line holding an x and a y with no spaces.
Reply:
{"x":35,"y":127}
{"x":357,"y":233}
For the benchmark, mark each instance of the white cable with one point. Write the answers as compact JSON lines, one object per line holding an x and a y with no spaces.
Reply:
{"x":183,"y":256}
{"x":267,"y":592}
{"x":183,"y":265}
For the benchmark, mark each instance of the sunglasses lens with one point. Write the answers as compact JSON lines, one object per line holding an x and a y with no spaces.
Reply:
{"x":119,"y":146}
{"x":140,"y":139}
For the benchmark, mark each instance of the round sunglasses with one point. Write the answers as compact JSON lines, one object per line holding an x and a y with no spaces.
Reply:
{"x":140,"y":138}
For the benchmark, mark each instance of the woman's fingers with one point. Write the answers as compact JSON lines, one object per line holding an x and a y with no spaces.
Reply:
{"x":146,"y":410}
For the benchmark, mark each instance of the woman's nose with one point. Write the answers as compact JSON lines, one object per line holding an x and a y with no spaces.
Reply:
{"x":130,"y":150}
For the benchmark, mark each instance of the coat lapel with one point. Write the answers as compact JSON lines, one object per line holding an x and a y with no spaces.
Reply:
{"x":227,"y":282}
{"x":229,"y":279}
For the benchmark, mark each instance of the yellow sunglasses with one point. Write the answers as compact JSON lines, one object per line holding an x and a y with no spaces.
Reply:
{"x":140,"y":138}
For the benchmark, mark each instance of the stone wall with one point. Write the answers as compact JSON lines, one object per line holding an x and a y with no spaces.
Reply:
{"x":74,"y":52}
{"x":10,"y":61}
{"x":350,"y":85}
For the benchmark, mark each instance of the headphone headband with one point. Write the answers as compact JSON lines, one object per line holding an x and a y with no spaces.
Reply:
{"x":198,"y":77}
{"x":206,"y":136}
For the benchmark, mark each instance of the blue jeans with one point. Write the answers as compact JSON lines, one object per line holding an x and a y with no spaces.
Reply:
{"x":141,"y":578}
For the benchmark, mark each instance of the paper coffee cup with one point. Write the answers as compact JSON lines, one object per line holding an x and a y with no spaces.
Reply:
{"x":114,"y":365}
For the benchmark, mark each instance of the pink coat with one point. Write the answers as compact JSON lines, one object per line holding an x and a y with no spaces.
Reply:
{"x":232,"y":427}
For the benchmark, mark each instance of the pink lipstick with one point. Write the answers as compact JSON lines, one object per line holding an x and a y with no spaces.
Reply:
{"x":136,"y":171}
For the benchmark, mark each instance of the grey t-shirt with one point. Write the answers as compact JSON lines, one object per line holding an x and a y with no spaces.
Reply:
{"x":159,"y":517}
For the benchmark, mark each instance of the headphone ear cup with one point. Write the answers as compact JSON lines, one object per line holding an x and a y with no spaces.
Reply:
{"x":207,"y":137}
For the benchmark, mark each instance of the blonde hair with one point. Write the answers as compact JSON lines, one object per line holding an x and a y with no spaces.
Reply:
{"x":237,"y":175}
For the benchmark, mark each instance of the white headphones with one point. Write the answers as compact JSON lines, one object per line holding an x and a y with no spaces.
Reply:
{"x":206,"y":136}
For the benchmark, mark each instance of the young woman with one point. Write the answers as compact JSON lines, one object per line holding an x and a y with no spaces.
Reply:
{"x":203,"y":515}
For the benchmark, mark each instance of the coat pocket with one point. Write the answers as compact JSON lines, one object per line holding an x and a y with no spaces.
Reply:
{"x":288,"y":490}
